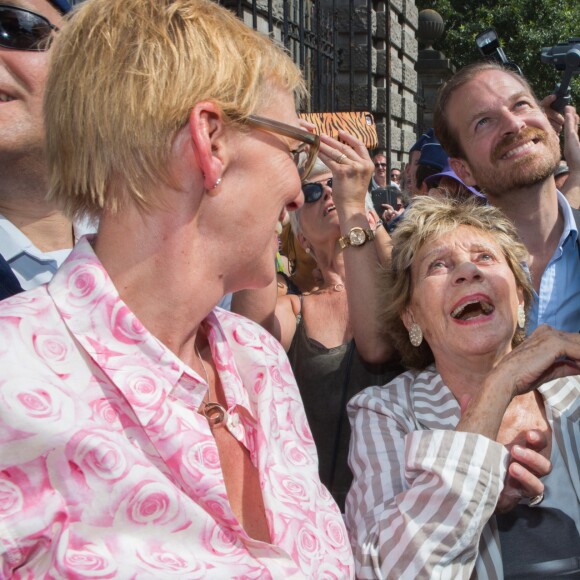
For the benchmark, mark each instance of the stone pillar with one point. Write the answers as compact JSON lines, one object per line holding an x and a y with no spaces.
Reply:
{"x":383,"y":78}
{"x":432,"y":67}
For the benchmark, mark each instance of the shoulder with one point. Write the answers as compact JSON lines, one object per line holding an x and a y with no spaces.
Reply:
{"x":563,"y":395}
{"x":30,"y":304}
{"x":398,"y":393}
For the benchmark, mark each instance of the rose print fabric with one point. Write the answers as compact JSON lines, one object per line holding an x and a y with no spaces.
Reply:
{"x":107,"y":470}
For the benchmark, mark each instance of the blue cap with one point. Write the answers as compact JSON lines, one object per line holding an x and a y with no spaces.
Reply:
{"x":431,"y":180}
{"x":63,"y":5}
{"x":433,"y":154}
{"x":425,"y":138}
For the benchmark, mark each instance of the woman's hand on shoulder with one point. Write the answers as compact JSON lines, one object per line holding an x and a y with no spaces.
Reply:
{"x":545,"y":355}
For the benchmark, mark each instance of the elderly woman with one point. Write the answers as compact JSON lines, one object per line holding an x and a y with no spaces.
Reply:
{"x":476,"y":425}
{"x":144,"y":433}
{"x":319,"y":328}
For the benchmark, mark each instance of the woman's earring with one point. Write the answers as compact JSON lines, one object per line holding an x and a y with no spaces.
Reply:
{"x":307,"y":250}
{"x":415,"y":335}
{"x":521,"y":316}
{"x":219,"y":180}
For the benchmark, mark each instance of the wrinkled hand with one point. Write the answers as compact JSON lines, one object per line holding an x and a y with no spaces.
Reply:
{"x":547,"y":354}
{"x":526,"y":467}
{"x":556,"y":119}
{"x":351,"y":167}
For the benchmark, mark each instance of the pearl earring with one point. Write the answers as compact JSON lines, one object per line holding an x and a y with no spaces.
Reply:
{"x":521,"y":316}
{"x":415,"y":335}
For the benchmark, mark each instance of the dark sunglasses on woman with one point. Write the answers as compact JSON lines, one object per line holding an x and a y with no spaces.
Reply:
{"x":313,"y":191}
{"x":22,"y":29}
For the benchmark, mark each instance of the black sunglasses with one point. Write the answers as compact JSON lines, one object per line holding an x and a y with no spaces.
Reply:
{"x":313,"y":191}
{"x":380,"y":164}
{"x":22,"y":29}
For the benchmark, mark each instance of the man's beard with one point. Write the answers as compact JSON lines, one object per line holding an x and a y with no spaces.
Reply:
{"x":524,"y":172}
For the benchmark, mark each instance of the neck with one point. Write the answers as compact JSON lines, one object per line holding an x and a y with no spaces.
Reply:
{"x":382,"y":181}
{"x":23,"y":188}
{"x":464,"y":375}
{"x":330,"y":260}
{"x":166,"y":273}
{"x":536,"y":215}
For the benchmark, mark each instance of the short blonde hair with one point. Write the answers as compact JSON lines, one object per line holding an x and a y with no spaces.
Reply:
{"x":426,"y":219}
{"x":124,"y":77}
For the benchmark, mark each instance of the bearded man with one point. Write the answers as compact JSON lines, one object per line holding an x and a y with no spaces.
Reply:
{"x":499,"y":138}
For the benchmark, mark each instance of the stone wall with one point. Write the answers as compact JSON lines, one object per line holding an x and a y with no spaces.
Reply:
{"x":381,"y":77}
{"x":392,"y":97}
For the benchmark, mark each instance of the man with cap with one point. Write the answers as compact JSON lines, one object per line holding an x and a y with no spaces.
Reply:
{"x":35,"y":237}
{"x":432,"y":160}
{"x":408,"y":182}
{"x":426,"y":157}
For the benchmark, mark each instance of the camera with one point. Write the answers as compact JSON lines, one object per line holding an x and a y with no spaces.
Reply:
{"x":489,"y":46}
{"x":565,"y":56}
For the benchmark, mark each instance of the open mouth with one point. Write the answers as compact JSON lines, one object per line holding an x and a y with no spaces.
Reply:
{"x":328,"y":209}
{"x":473,"y":309}
{"x":523,"y":148}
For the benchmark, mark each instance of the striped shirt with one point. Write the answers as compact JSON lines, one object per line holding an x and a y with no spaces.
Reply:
{"x":423,"y":496}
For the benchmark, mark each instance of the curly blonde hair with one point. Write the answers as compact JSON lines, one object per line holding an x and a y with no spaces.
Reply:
{"x":425,"y":220}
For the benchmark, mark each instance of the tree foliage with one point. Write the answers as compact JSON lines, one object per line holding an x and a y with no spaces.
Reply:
{"x":523,"y":26}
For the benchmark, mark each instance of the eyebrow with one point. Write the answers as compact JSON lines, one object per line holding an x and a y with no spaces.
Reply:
{"x":476,"y":247}
{"x":514,"y":98}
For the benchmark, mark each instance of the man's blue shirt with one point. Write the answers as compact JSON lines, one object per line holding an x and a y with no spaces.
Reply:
{"x":558,"y":302}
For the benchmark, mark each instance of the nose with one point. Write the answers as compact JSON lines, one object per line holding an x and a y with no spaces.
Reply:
{"x":467,"y":272}
{"x":296,"y":202}
{"x":512,"y":123}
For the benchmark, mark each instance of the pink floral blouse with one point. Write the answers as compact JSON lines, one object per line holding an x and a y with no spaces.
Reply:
{"x":108,"y":471}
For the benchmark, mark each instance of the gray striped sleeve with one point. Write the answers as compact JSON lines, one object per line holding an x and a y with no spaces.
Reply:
{"x":420,"y":498}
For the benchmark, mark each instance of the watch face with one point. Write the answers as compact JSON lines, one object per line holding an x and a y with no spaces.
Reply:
{"x":357,"y":236}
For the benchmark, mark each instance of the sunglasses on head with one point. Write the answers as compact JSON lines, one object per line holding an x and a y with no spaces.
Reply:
{"x":313,"y":191}
{"x":21,"y":29}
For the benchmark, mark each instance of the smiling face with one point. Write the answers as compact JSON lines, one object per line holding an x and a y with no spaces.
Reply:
{"x":261,"y":185}
{"x":506,"y":138}
{"x":22,"y":80}
{"x":464,"y":296}
{"x":380,"y":162}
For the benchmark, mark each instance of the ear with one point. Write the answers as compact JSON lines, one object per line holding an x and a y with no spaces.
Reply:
{"x":462,"y":170}
{"x":521,"y":296}
{"x":302,"y":240}
{"x":407,"y":318}
{"x":207,"y":129}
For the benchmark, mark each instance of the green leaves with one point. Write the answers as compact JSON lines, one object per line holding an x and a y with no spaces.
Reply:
{"x":523,"y":26}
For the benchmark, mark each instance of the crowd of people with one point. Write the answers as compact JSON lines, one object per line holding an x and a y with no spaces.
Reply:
{"x":401,"y":401}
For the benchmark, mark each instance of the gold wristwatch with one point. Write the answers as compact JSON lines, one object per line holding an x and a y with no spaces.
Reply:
{"x":356,"y":237}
